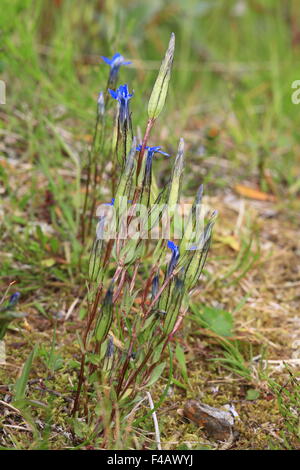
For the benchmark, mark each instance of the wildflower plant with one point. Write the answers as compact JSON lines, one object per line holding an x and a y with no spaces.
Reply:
{"x":144,"y":261}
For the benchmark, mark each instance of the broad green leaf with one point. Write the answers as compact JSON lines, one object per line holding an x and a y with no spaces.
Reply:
{"x":217,"y":320}
{"x":47,"y":263}
{"x":252,"y":394}
{"x":156,"y":373}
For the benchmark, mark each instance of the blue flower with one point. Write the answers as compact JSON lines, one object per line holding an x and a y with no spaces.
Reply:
{"x":14,"y":298}
{"x":111,"y":203}
{"x":115,"y":63}
{"x":123,"y":96}
{"x":150,"y":152}
{"x":121,"y":93}
{"x":174,"y":258}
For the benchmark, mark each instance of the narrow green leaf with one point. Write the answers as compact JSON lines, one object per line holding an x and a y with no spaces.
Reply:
{"x":217,"y":320}
{"x":20,"y":387}
{"x":179,"y":353}
{"x":179,"y":384}
{"x":105,"y":316}
{"x":156,"y":373}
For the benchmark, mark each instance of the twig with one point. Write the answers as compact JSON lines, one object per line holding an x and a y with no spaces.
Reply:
{"x":71,"y":308}
{"x":53,"y":392}
{"x":20,"y":428}
{"x":157,"y":434}
{"x":7,"y":289}
{"x":9,"y":406}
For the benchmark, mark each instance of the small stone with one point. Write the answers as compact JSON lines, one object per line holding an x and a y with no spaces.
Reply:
{"x":218,"y":424}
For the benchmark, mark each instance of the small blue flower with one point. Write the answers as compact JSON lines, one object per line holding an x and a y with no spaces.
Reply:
{"x":150,"y":152}
{"x":123,"y":96}
{"x":14,"y":298}
{"x":174,"y":258}
{"x":111,"y":203}
{"x":121,"y":93}
{"x":115,"y":63}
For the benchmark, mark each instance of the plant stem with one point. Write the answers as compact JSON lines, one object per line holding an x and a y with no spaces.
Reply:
{"x":144,"y":144}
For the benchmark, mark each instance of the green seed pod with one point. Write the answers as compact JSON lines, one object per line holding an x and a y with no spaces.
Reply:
{"x":154,"y":189}
{"x":126,"y":177}
{"x":140,"y":178}
{"x":194,"y":215}
{"x":160,"y":89}
{"x":95,"y":260}
{"x":198,"y":256}
{"x":176,"y":177}
{"x":115,"y":136}
{"x":105,"y":317}
{"x":172,"y":303}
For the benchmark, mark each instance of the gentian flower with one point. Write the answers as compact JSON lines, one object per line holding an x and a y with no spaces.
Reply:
{"x":123,"y":96}
{"x":150,"y":152}
{"x":111,"y":203}
{"x":115,"y":63}
{"x":14,"y":298}
{"x":174,"y":258}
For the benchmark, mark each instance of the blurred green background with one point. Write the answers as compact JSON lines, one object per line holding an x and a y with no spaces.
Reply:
{"x":234,"y":65}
